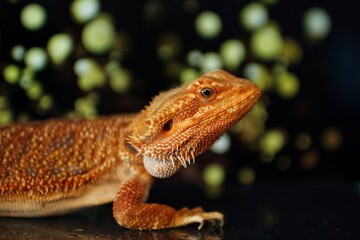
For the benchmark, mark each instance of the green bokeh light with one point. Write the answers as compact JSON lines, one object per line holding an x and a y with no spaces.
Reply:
{"x":84,"y":10}
{"x":33,"y":16}
{"x":18,"y":52}
{"x":120,"y":80}
{"x":86,"y":106}
{"x":188,"y":74}
{"x":287,"y":84}
{"x":253,"y":15}
{"x":271,"y":143}
{"x":11,"y":73}
{"x":36,"y":58}
{"x":194,"y":57}
{"x":208,"y":24}
{"x":214,"y":175}
{"x":233,"y":53}
{"x":258,"y":74}
{"x":59,"y":47}
{"x":34,"y":90}
{"x":267,"y":43}
{"x":246,"y":176}
{"x":211,"y":61}
{"x":90,"y":74}
{"x":27,"y":77}
{"x":98,"y":36}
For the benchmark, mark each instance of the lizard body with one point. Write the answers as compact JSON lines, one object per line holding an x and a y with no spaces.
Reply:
{"x":59,"y":166}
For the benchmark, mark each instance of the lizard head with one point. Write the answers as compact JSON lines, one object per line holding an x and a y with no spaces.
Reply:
{"x":183,"y":122}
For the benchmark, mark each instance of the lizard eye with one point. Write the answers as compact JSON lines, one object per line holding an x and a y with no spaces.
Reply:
{"x":206,"y":92}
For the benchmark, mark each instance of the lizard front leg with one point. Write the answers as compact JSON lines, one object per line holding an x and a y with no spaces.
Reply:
{"x":131,"y":211}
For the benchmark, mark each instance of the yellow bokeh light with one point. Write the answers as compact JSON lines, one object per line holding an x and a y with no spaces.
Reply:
{"x":267,"y":43}
{"x":246,"y":176}
{"x":208,"y":24}
{"x":233,"y":53}
{"x":120,"y":80}
{"x":214,"y":175}
{"x":98,"y":35}
{"x":84,"y":10}
{"x":287,"y":84}
{"x":271,"y":143}
{"x":11,"y":73}
{"x":59,"y":47}
{"x":332,"y":139}
{"x":188,"y":74}
{"x":33,"y":16}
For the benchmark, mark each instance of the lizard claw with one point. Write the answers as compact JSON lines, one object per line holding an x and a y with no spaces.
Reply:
{"x":187,"y":216}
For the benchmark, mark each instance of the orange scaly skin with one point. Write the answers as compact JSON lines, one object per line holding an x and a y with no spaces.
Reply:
{"x":59,"y":166}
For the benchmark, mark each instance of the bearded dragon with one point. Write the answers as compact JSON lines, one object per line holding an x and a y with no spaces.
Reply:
{"x":58,"y":166}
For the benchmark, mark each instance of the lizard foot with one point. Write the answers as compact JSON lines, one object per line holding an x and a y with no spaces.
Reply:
{"x":187,"y":216}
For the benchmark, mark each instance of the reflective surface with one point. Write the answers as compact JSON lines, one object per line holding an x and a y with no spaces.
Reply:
{"x":316,"y":209}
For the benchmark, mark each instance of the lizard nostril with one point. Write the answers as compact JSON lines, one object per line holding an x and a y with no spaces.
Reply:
{"x":168,"y":125}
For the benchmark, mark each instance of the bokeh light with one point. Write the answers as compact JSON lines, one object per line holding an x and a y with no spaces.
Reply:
{"x":6,"y":115}
{"x":303,"y":141}
{"x":287,"y":84}
{"x":210,"y":61}
{"x":90,"y":74}
{"x":316,"y":23}
{"x":98,"y":36}
{"x":253,"y":15}
{"x":332,"y":139}
{"x":214,"y":175}
{"x":188,"y":74}
{"x":36,"y":58}
{"x":84,"y":10}
{"x":11,"y":73}
{"x":252,"y":126}
{"x":233,"y":53}
{"x":86,"y":106}
{"x":33,"y":16}
{"x":34,"y":90}
{"x":208,"y":24}
{"x":222,"y":145}
{"x":18,"y":52}
{"x":267,"y":43}
{"x":292,"y":51}
{"x":59,"y":48}
{"x":271,"y":143}
{"x":258,"y":74}
{"x":169,"y":46}
{"x":246,"y":176}
{"x":194,"y":57}
{"x":309,"y":159}
{"x":120,"y":80}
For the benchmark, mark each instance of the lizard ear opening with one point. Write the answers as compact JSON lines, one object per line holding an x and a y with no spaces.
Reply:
{"x":168,"y":125}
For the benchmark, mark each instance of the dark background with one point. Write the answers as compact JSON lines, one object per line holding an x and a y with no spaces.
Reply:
{"x":304,"y":204}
